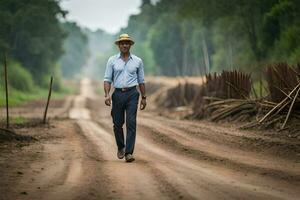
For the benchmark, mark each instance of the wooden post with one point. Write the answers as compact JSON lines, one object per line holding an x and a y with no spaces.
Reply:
{"x":49,"y":96}
{"x":260,"y":84}
{"x":6,"y":91}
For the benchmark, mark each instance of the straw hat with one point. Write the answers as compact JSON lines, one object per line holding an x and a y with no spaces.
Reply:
{"x":124,"y":37}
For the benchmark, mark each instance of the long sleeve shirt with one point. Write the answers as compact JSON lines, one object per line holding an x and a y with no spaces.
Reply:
{"x":124,"y":74}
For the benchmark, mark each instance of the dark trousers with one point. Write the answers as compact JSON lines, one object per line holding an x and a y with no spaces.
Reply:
{"x":125,"y":103}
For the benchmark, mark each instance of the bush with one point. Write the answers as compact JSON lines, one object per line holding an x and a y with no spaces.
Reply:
{"x":57,"y":80}
{"x":18,"y":77}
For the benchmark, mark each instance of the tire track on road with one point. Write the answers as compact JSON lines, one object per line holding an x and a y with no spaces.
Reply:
{"x":129,"y":181}
{"x":160,"y":172}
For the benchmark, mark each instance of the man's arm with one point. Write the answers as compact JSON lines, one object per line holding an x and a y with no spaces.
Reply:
{"x":107,"y":82}
{"x":143,"y":94}
{"x":142,"y":89}
{"x":141,"y":82}
{"x":107,"y":86}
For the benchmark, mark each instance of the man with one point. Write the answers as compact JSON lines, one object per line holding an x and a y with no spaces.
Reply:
{"x":125,"y":71}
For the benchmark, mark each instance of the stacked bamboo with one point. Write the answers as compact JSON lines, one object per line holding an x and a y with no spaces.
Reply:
{"x":152,"y":87}
{"x":281,"y":79}
{"x":228,"y":85}
{"x":209,"y":102}
{"x":282,"y":104}
{"x":284,"y":86}
{"x":226,"y":96}
{"x":230,"y":109}
{"x":181,"y":95}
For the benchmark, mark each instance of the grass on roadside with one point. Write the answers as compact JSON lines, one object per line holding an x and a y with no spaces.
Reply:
{"x":16,"y":97}
{"x":18,"y":120}
{"x":13,"y":121}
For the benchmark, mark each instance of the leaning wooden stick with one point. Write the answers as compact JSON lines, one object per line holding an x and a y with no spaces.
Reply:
{"x":49,"y":96}
{"x":279,"y":104}
{"x":6,"y":91}
{"x":290,"y":110}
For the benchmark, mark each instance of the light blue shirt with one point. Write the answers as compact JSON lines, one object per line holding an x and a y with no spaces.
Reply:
{"x":124,"y":74}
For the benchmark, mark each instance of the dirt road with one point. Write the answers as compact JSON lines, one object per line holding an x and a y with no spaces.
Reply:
{"x":175,"y":159}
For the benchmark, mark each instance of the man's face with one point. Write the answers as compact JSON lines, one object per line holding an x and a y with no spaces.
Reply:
{"x":124,"y":46}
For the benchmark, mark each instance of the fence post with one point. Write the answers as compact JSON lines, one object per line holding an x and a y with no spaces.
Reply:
{"x":260,"y":84}
{"x":6,"y":90}
{"x":48,"y":100}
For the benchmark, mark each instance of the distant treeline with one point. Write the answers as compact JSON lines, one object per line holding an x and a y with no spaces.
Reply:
{"x":100,"y":47}
{"x":76,"y":51}
{"x":34,"y":38}
{"x":193,"y":37}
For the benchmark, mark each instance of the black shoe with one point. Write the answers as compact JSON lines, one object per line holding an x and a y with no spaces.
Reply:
{"x":129,"y":158}
{"x":121,"y":153}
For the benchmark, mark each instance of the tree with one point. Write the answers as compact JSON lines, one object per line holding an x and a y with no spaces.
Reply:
{"x":32,"y":35}
{"x":198,"y":36}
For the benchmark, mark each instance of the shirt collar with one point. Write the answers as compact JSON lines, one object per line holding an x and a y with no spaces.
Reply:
{"x":119,"y":55}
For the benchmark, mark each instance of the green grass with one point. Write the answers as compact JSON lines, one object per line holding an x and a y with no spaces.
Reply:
{"x":18,"y":120}
{"x":16,"y":97}
{"x":14,"y":120}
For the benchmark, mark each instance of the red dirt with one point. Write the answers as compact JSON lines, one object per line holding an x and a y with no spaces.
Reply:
{"x":175,"y":159}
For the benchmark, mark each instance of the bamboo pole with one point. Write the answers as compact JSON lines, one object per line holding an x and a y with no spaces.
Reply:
{"x":260,"y":85}
{"x":6,"y":91}
{"x":279,"y":104}
{"x":48,"y":100}
{"x":290,"y":110}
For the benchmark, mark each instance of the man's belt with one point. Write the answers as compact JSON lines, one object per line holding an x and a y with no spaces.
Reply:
{"x":125,"y":89}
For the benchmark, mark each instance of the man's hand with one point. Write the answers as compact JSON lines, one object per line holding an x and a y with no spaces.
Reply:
{"x":143,"y":104}
{"x":108,"y":100}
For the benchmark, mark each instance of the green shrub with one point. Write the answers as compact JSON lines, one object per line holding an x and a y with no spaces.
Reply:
{"x":18,"y":77}
{"x":57,"y":84}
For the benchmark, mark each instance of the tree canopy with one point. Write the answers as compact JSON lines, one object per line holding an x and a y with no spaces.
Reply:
{"x":194,"y":37}
{"x":30,"y":33}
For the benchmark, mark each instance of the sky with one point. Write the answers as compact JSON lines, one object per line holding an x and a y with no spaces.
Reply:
{"x":108,"y":15}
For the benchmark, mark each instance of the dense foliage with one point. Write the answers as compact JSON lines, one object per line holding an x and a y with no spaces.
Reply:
{"x":38,"y":44}
{"x":30,"y":33}
{"x":194,"y":37}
